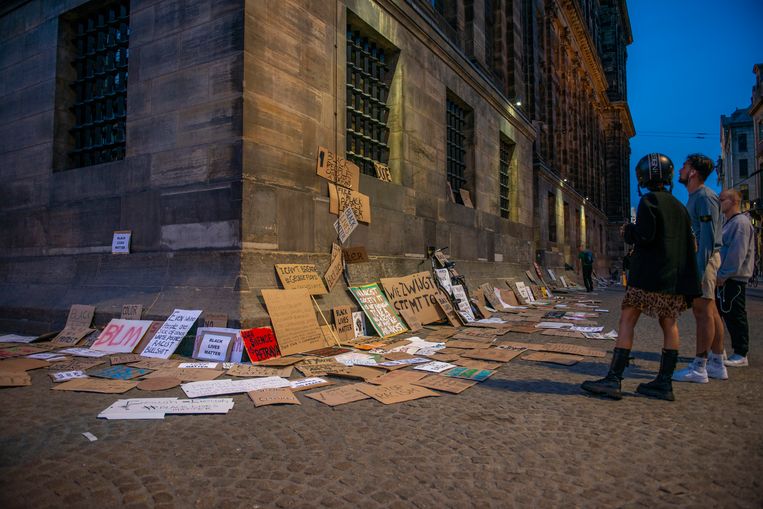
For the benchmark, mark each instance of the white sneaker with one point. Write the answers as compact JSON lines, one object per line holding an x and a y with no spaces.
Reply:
{"x":716,"y":369}
{"x":736,"y":361}
{"x":691,"y":373}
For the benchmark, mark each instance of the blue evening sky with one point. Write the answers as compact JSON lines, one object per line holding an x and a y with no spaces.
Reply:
{"x":690,"y":62}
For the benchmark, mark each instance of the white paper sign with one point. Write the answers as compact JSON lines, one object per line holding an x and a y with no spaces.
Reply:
{"x":83,"y":352}
{"x":198,"y":365}
{"x":63,"y":376}
{"x":157,"y":408}
{"x":588,"y":329}
{"x":443,"y":276}
{"x":121,"y":336}
{"x":346,"y":224}
{"x":356,"y":359}
{"x":171,"y":333}
{"x":435,"y":367}
{"x":404,"y":362}
{"x":213,"y":347}
{"x":45,"y":356}
{"x":307,"y":382}
{"x":15,"y":338}
{"x":120,"y":244}
{"x":216,"y":387}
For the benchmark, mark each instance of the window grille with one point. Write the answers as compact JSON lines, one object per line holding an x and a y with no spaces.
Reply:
{"x":456,"y":147}
{"x":503,"y":168}
{"x":368,"y":80}
{"x":101,"y":53}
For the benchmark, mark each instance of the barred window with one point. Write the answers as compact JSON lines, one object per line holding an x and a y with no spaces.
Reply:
{"x":100,"y":35}
{"x":457,"y":139}
{"x":504,"y":164}
{"x":369,"y":74}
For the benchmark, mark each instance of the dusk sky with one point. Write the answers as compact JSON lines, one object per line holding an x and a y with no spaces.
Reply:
{"x":690,"y":62}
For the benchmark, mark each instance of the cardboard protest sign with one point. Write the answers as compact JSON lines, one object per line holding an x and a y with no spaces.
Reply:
{"x":199,"y":365}
{"x":378,"y":310}
{"x":382,"y":172}
{"x":23,"y":364}
{"x":340,"y":395}
{"x":337,"y":170}
{"x":131,"y":311}
{"x":319,"y":366}
{"x":563,"y":333}
{"x":83,"y":352}
{"x":574,"y":350}
{"x":50,"y":357}
{"x":16,"y":338}
{"x":158,"y":383}
{"x":77,"y":325}
{"x":15,"y":379}
{"x":413,"y":323}
{"x":102,"y":385}
{"x":336,"y":266}
{"x":434,"y":367}
{"x":531,"y":277}
{"x":120,"y":243}
{"x":217,"y":387}
{"x":280,"y":361}
{"x":444,"y":357}
{"x":169,"y":335}
{"x":343,"y":322}
{"x":396,"y":377}
{"x":416,"y":293}
{"x":77,"y":364}
{"x":121,"y":336}
{"x":214,"y":320}
{"x":186,"y":374}
{"x":463,"y":307}
{"x":296,"y":275}
{"x":447,"y":309}
{"x":466,"y":198}
{"x":396,"y":393}
{"x":214,"y":343}
{"x":124,"y":358}
{"x":260,"y":343}
{"x":279,"y":396}
{"x":119,"y":372}
{"x":340,"y":198}
{"x":477,"y":364}
{"x":355,"y":254}
{"x":466,"y":343}
{"x":479,"y":301}
{"x":244,"y":370}
{"x":346,"y":224}
{"x":147,"y":363}
{"x":305,"y":384}
{"x":479,"y":375}
{"x":294,"y":320}
{"x":445,"y":384}
{"x":507,"y":296}
{"x":63,"y":376}
{"x":493,"y":354}
{"x":553,"y":358}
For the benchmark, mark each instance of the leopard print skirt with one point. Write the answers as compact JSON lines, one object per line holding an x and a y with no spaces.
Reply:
{"x":657,"y":305}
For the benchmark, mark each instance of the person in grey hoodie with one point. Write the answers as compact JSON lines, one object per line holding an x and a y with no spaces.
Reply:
{"x":737,"y":259}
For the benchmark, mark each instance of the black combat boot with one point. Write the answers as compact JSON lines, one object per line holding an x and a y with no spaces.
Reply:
{"x":662,"y":387}
{"x":610,"y":385}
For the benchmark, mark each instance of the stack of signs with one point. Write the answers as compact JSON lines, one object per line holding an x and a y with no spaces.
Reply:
{"x":300,"y":276}
{"x":294,"y":321}
{"x":171,"y":333}
{"x":215,"y":344}
{"x":157,"y":408}
{"x":383,"y":317}
{"x":121,"y":336}
{"x":344,"y":182}
{"x":462,"y":303}
{"x":416,"y":294}
{"x":77,"y":325}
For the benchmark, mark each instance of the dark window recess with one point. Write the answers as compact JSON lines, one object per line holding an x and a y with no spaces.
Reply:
{"x":743,"y":171}
{"x":456,"y":147}
{"x":504,"y":164}
{"x":369,"y":74}
{"x":743,"y":143}
{"x":101,"y":53}
{"x":551,"y":202}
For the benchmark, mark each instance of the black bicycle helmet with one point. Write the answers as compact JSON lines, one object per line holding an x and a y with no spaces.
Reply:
{"x":654,"y":169}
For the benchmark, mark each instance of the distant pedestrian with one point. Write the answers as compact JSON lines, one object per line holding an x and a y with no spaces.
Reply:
{"x":663,"y":278}
{"x":705,"y":212}
{"x":737,"y":260}
{"x":585,"y":260}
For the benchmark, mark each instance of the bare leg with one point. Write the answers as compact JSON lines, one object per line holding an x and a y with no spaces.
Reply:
{"x":717,"y":344}
{"x":628,"y":318}
{"x":669,"y":333}
{"x":703,"y":314}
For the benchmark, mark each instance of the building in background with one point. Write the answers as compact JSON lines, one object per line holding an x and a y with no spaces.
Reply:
{"x":196,"y":125}
{"x":738,"y":155}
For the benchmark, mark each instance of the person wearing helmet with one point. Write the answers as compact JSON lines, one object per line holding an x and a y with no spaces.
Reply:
{"x":705,"y":212}
{"x":663,"y":278}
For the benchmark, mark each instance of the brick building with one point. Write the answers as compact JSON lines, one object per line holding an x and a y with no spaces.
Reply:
{"x":195,"y":125}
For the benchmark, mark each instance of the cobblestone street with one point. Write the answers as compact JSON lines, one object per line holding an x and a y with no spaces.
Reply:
{"x":527,"y":437}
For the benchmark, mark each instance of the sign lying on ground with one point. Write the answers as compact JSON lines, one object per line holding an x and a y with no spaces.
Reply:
{"x":121,"y":336}
{"x":77,"y":325}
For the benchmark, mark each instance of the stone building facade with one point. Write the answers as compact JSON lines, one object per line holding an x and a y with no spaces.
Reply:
{"x":738,"y":155}
{"x":195,"y":125}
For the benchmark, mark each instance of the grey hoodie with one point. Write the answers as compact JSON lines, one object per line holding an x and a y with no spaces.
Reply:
{"x":738,"y":250}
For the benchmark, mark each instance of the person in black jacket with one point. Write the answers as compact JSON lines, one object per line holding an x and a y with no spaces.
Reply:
{"x":663,"y":278}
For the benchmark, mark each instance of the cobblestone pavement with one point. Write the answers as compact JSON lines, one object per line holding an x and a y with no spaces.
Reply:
{"x":528,"y":437}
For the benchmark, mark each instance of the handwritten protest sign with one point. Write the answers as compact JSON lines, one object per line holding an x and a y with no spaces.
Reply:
{"x":346,"y":224}
{"x":447,"y":308}
{"x":553,"y":358}
{"x":15,"y":379}
{"x":340,"y":395}
{"x":355,"y":254}
{"x":343,"y":322}
{"x":132,"y":311}
{"x":336,"y":267}
{"x":296,"y":275}
{"x":121,"y":336}
{"x":102,"y":385}
{"x":64,"y":376}
{"x":416,"y":293}
{"x":337,"y":170}
{"x":304,"y":384}
{"x":340,"y":198}
{"x":374,"y":304}
{"x":445,"y":384}
{"x":382,"y":172}
{"x":77,"y":325}
{"x":260,"y":343}
{"x":217,"y":387}
{"x":119,"y":372}
{"x":396,"y":393}
{"x":246,"y":370}
{"x":413,"y":323}
{"x":214,"y":320}
{"x":169,"y":335}
{"x":214,"y":343}
{"x":294,"y":320}
{"x":120,"y":243}
{"x":279,"y":396}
